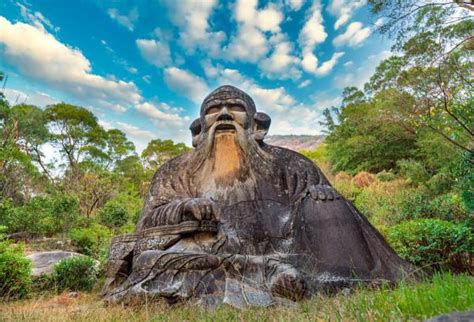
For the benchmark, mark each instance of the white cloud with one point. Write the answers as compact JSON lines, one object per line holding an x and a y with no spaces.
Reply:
{"x":36,"y":18}
{"x":313,"y":32}
{"x":140,"y":137}
{"x":310,"y":36}
{"x":40,"y":99}
{"x":193,"y":19}
{"x":186,"y":83}
{"x":343,"y":10}
{"x":147,"y":79}
{"x":155,"y":111}
{"x":354,"y":35}
{"x":250,"y":43}
{"x":281,"y":63}
{"x":310,"y":63}
{"x":39,"y":55}
{"x":348,"y":63}
{"x":155,"y":52}
{"x":304,"y":84}
{"x":128,"y":20}
{"x":295,"y":4}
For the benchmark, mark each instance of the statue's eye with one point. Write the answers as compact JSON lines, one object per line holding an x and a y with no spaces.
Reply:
{"x":237,"y":108}
{"x":213,"y":110}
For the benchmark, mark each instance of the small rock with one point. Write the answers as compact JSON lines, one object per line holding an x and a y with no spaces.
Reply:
{"x":73,"y":294}
{"x":346,"y":291}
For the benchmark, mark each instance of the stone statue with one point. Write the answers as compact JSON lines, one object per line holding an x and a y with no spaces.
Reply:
{"x":241,"y":222}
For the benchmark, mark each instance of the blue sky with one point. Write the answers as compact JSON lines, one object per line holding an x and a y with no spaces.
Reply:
{"x":145,"y":66}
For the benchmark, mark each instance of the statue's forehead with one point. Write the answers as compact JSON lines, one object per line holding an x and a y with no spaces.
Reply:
{"x":225,"y":101}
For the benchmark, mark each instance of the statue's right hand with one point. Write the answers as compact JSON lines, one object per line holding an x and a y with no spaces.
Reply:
{"x":201,"y":209}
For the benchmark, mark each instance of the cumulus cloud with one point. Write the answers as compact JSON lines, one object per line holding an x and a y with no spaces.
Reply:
{"x":155,"y":52}
{"x":186,"y":83}
{"x":310,"y":36}
{"x":313,"y":32}
{"x":343,"y":10}
{"x":281,"y":63}
{"x":161,"y":111}
{"x":39,"y":55}
{"x":192,"y":19}
{"x":354,"y":35}
{"x":310,"y":63}
{"x":250,"y":43}
{"x":295,"y":4}
{"x":36,"y":18}
{"x":304,"y":83}
{"x":37,"y":98}
{"x":128,"y":20}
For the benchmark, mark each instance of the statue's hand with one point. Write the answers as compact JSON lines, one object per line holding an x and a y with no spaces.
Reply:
{"x":323,"y":193}
{"x":201,"y":209}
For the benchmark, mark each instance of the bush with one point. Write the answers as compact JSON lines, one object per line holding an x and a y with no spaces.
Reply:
{"x":112,"y":215}
{"x":436,"y":243}
{"x":421,"y":204}
{"x":15,"y":269}
{"x":78,"y":273}
{"x":41,"y":215}
{"x":92,"y":240}
{"x":385,"y":176}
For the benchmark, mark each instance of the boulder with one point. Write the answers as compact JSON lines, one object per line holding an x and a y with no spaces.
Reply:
{"x":43,"y":262}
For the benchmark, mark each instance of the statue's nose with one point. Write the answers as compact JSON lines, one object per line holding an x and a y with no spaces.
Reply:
{"x":224,"y":115}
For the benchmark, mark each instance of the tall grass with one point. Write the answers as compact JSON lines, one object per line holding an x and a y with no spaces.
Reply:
{"x":443,"y":293}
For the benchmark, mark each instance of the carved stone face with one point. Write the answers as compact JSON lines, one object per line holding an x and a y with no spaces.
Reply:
{"x":226,"y":116}
{"x":229,"y":110}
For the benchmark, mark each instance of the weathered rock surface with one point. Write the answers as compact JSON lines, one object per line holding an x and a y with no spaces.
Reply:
{"x":245,"y":223}
{"x":43,"y":262}
{"x":453,"y":317}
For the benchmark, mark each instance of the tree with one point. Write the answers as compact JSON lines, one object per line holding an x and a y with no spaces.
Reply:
{"x":75,"y":131}
{"x":433,"y":42}
{"x":159,"y":151}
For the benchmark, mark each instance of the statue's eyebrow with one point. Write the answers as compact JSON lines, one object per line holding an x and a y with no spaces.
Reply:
{"x":231,"y":101}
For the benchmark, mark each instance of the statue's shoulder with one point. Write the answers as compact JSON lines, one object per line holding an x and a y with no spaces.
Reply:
{"x":176,"y":164}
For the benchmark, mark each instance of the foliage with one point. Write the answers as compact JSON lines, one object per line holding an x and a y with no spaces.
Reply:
{"x":77,"y":273}
{"x":159,"y":151}
{"x":435,"y":243}
{"x":15,"y":271}
{"x":92,"y":241}
{"x":41,"y":215}
{"x":113,"y":215}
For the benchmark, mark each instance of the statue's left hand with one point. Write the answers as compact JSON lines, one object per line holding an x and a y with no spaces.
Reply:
{"x":201,"y":209}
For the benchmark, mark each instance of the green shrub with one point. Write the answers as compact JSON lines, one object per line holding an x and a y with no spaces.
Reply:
{"x":414,"y":171}
{"x":436,"y":243}
{"x":421,"y":204}
{"x":41,"y":215}
{"x":92,"y":240}
{"x":112,"y":215}
{"x":78,"y":273}
{"x":385,"y":176}
{"x":15,"y":271}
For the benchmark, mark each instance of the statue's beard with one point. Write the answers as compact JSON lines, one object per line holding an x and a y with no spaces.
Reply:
{"x":227,"y":158}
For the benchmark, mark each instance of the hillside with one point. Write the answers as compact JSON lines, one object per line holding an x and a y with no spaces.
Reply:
{"x":295,"y":142}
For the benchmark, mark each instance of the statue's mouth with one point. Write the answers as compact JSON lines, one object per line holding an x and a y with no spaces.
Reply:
{"x":225,"y":127}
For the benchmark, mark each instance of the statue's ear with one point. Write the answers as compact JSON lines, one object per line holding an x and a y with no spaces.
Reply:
{"x":195,"y":128}
{"x":261,"y":125}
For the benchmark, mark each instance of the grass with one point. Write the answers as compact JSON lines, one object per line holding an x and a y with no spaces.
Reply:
{"x":416,"y":301}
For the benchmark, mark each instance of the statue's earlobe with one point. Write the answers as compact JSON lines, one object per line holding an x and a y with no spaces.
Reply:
{"x":261,"y":125}
{"x":195,"y":128}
